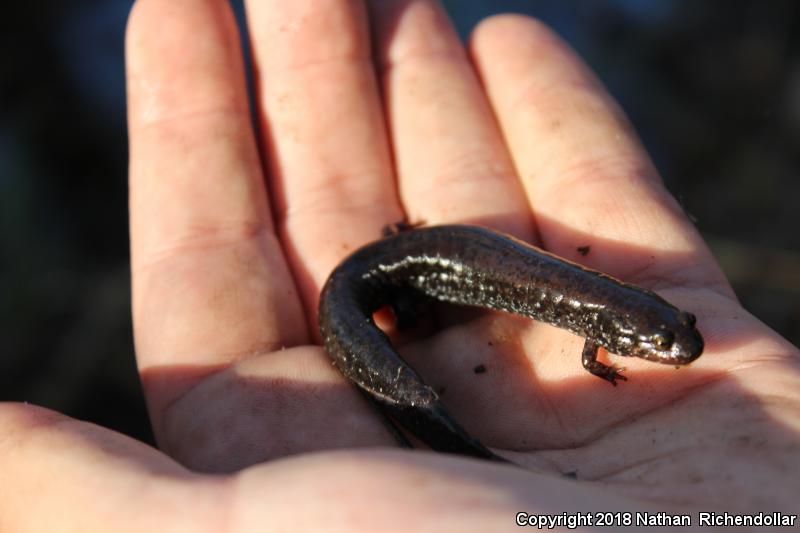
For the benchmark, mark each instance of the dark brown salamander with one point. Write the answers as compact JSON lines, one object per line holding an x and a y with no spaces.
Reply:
{"x":480,"y":267}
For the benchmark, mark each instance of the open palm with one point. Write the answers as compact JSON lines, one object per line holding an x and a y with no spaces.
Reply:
{"x":367,"y":116}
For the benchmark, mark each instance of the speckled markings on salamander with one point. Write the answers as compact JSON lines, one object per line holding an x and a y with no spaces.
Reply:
{"x":480,"y":267}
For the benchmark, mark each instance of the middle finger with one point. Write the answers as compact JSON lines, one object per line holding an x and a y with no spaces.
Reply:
{"x":330,"y":166}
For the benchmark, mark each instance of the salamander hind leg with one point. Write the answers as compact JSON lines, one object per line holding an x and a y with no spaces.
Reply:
{"x":400,"y":227}
{"x":595,"y":367}
{"x":434,"y":426}
{"x":388,"y":423}
{"x":406,"y":308}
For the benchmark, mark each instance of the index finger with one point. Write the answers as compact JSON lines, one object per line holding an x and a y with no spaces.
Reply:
{"x":210,"y":282}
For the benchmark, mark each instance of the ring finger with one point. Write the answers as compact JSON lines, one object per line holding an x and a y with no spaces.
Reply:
{"x":449,"y":153}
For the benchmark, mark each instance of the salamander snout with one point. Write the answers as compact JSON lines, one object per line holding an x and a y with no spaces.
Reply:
{"x":687,"y":347}
{"x":675,"y":341}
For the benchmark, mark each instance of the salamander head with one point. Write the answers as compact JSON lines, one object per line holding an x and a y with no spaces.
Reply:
{"x":668,"y":336}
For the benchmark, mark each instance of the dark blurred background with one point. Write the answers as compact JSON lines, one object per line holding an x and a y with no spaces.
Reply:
{"x":713,"y":88}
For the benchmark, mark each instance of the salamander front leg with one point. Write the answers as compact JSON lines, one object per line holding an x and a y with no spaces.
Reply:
{"x":590,"y":363}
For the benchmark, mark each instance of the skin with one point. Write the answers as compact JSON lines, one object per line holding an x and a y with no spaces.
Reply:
{"x":228,"y":257}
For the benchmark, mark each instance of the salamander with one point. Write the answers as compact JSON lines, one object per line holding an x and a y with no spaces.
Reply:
{"x":475,"y":266}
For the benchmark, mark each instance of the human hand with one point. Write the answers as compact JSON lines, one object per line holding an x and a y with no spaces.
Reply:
{"x":226,"y":278}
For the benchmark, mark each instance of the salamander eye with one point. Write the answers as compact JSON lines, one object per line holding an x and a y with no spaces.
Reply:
{"x":687,"y":319}
{"x":662,"y":340}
